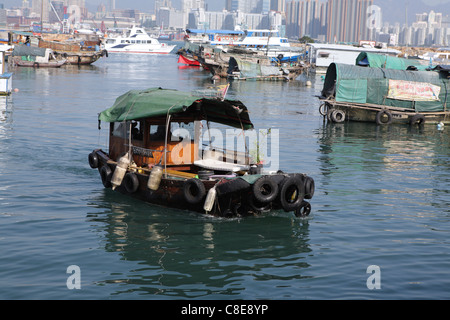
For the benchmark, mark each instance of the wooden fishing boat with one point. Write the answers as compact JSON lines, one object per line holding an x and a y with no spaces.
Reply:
{"x":24,"y":56}
{"x":262,"y":68}
{"x":156,"y":154}
{"x":385,"y":96}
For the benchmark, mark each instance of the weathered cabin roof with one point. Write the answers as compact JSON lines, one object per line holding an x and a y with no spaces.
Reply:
{"x":157,"y":102}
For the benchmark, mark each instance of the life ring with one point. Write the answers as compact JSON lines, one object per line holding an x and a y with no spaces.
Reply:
{"x":292,"y":193}
{"x":380,"y":116}
{"x":131,"y":182}
{"x":309,"y":187}
{"x":337,"y":116}
{"x":106,"y":175}
{"x":194,"y":191}
{"x":280,"y":57}
{"x":93,"y":160}
{"x":417,"y":119}
{"x":265,"y":189}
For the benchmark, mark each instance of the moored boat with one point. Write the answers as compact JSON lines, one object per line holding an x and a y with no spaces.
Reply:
{"x":262,"y":68}
{"x":75,"y":52}
{"x":24,"y":56}
{"x":156,"y":154}
{"x":384,"y":96}
{"x":136,"y":40}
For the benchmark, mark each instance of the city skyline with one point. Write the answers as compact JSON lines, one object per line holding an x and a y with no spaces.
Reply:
{"x":390,"y":8}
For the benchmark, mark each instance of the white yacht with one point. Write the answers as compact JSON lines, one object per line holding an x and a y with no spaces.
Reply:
{"x":136,"y":40}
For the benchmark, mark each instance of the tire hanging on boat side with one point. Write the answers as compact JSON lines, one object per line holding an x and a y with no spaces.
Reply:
{"x":265,"y":189}
{"x":194,"y":191}
{"x":93,"y":160}
{"x":417,"y":119}
{"x":292,"y":193}
{"x":106,"y":175}
{"x":381,"y":114}
{"x":337,"y":116}
{"x":131,"y":182}
{"x":309,"y":187}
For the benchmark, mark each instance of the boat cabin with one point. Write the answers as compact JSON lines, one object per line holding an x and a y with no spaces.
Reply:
{"x":170,"y":133}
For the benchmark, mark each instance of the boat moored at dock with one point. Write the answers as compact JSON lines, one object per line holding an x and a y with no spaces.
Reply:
{"x":385,"y":96}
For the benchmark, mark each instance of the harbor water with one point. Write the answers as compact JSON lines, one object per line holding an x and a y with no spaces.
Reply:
{"x":379,"y":226}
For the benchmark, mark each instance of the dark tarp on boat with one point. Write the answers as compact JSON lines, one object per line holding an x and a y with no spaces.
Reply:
{"x":357,"y":84}
{"x":375,"y":60}
{"x":28,"y":51}
{"x":157,"y":102}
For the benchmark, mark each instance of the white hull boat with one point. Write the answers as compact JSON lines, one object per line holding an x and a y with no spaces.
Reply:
{"x":137,"y":41}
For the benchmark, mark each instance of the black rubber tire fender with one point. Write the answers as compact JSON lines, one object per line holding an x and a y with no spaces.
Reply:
{"x":380,"y":115}
{"x":304,"y":210}
{"x":106,"y":175}
{"x":131,"y":182}
{"x":93,"y":160}
{"x":323,"y":109}
{"x":292,"y":193}
{"x":417,"y":119}
{"x":265,"y":189}
{"x":232,"y":185}
{"x":309,"y":187}
{"x":194,"y":191}
{"x":257,"y":205}
{"x":337,"y":116}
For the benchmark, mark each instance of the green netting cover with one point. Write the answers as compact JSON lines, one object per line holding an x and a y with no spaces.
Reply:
{"x":157,"y":102}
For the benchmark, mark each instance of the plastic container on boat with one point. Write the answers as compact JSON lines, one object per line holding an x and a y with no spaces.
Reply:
{"x":155,"y":178}
{"x":120,"y":171}
{"x":210,"y":199}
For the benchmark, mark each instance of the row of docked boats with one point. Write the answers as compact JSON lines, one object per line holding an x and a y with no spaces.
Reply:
{"x":56,"y":50}
{"x":249,"y":55}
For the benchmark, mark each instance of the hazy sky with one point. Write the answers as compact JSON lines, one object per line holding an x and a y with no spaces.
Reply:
{"x":393,"y":10}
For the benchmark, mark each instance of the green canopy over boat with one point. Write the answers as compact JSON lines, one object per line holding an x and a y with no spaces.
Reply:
{"x":375,"y":60}
{"x":423,"y":91}
{"x":157,"y":102}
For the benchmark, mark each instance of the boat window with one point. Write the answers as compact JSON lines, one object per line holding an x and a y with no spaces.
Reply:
{"x":138,"y":41}
{"x":133,"y":41}
{"x":181,"y":131}
{"x":149,"y":41}
{"x":111,"y":41}
{"x":137,"y":130}
{"x":157,"y":132}
{"x":324,"y":54}
{"x":122,"y":130}
{"x":123,"y":41}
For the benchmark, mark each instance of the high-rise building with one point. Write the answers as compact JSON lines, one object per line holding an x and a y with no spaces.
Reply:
{"x":305,"y":17}
{"x":347,"y":20}
{"x":41,"y":8}
{"x":278,"y":5}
